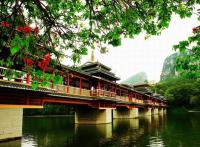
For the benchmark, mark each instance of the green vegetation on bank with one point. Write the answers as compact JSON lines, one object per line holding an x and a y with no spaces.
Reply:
{"x":50,"y":109}
{"x":180,"y":92}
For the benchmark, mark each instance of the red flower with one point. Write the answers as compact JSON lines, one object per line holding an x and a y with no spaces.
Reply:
{"x":20,"y":29}
{"x":42,"y":64}
{"x":7,"y":25}
{"x":27,"y":29}
{"x":47,"y":57}
{"x":30,"y":62}
{"x":27,"y":61}
{"x":194,"y":30}
{"x":3,"y":23}
{"x":45,"y":62}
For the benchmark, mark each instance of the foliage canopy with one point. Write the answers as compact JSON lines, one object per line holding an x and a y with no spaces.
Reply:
{"x":33,"y":31}
{"x":180,"y":92}
{"x":188,"y":60}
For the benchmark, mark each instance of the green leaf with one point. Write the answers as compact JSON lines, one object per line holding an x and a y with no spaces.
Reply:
{"x":14,"y":50}
{"x":34,"y":85}
{"x":115,"y":42}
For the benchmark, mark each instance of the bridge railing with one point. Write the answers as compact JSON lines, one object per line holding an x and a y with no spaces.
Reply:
{"x":60,"y":88}
{"x":72,"y":90}
{"x":104,"y":93}
{"x":12,"y":74}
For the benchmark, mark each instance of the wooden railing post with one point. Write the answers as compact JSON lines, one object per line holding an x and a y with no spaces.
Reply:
{"x":80,"y":86}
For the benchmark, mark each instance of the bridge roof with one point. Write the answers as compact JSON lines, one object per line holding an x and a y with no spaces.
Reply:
{"x":125,"y":86}
{"x":95,"y":64}
{"x":99,"y":69}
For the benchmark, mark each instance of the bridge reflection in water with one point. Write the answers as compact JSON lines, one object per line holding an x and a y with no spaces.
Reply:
{"x":61,"y":131}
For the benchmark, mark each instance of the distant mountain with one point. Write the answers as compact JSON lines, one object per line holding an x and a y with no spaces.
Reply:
{"x":138,"y":78}
{"x":169,"y":69}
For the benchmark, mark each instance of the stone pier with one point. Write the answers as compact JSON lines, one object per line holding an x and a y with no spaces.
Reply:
{"x":86,"y":115}
{"x":145,"y":112}
{"x":164,"y":111}
{"x":160,"y":111}
{"x":124,"y":112}
{"x":11,"y":123}
{"x":154,"y":111}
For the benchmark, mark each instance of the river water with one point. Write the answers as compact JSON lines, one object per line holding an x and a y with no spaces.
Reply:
{"x":155,"y":131}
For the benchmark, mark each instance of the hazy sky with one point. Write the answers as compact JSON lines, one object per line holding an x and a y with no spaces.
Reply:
{"x":136,"y":55}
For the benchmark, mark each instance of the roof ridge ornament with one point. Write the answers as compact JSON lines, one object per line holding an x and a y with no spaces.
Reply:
{"x":92,"y":56}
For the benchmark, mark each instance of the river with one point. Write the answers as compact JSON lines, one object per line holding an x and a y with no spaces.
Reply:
{"x":155,"y":131}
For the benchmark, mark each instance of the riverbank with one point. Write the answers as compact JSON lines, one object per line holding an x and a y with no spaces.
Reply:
{"x":57,"y":115}
{"x":183,"y":110}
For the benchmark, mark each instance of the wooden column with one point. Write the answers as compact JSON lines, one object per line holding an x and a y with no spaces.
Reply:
{"x":52,"y":85}
{"x":104,"y":88}
{"x":90,"y":86}
{"x":80,"y":86}
{"x":115,"y":91}
{"x":99,"y":85}
{"x":130,"y":97}
{"x":68,"y":83}
{"x":28,"y":79}
{"x":111,"y":89}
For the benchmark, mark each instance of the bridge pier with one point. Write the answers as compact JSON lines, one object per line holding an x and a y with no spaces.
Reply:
{"x":124,"y":112}
{"x":154,"y":111}
{"x":145,"y":112}
{"x":86,"y":115}
{"x":161,"y":111}
{"x":11,"y":123}
{"x":164,"y":111}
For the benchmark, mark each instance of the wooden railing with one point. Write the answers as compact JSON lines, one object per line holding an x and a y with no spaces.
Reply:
{"x":12,"y":75}
{"x":76,"y":91}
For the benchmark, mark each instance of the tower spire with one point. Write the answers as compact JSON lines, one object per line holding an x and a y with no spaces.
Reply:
{"x":92,"y":56}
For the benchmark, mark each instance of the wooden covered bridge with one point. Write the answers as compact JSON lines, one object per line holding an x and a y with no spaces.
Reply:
{"x":93,"y":90}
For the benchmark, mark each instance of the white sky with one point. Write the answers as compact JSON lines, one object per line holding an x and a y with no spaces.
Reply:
{"x":136,"y":55}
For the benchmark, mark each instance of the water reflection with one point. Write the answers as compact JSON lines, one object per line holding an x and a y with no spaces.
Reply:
{"x":48,"y":131}
{"x":14,"y":143}
{"x":152,"y":131}
{"x":126,"y":123}
{"x":92,"y":135}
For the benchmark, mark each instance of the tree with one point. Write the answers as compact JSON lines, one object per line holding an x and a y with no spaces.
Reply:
{"x":188,"y":60}
{"x":180,"y":91}
{"x":34,"y":31}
